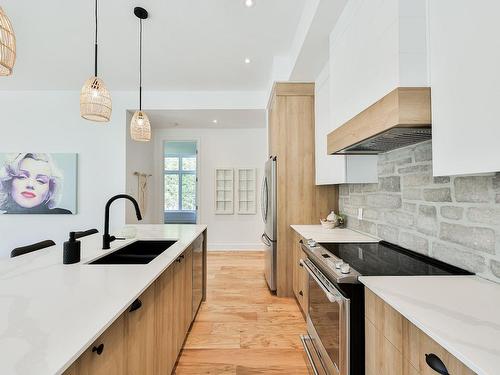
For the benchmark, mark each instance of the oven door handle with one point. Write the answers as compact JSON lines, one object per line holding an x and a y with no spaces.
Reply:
{"x":331,"y":297}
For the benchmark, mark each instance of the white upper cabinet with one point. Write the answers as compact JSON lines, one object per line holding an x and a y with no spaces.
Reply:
{"x":336,"y":169}
{"x":375,"y":47}
{"x":464,"y":53}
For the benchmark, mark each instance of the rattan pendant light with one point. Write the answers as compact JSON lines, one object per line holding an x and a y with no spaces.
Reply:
{"x":95,"y":99}
{"x":7,"y":45}
{"x":140,"y":127}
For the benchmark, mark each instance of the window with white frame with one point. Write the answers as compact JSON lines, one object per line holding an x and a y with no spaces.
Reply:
{"x":180,"y":182}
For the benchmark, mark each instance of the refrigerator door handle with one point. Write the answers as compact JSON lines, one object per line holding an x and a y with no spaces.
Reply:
{"x":265,"y":240}
{"x":264,"y":199}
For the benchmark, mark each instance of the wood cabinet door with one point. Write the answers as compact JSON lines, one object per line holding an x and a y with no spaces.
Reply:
{"x":381,"y":356}
{"x":179,"y":325}
{"x":188,"y":288}
{"x":273,"y":127}
{"x":395,"y":346}
{"x":106,"y":355}
{"x":300,"y":276}
{"x":73,"y":369}
{"x":198,"y":273}
{"x":417,"y":344}
{"x":165,"y":306}
{"x":140,"y":345}
{"x":304,"y":283}
{"x":296,"y":267}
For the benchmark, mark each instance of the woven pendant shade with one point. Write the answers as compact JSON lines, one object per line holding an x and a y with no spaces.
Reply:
{"x":7,"y":45}
{"x":140,"y":127}
{"x":95,"y":101}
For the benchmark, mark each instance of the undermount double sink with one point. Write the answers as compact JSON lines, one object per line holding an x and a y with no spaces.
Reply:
{"x":139,"y":252}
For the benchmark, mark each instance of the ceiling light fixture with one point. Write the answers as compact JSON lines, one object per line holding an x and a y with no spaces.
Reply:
{"x":95,"y":99}
{"x":215,"y":121}
{"x":247,"y":61}
{"x":7,"y":45}
{"x":140,"y":127}
{"x":249,"y":3}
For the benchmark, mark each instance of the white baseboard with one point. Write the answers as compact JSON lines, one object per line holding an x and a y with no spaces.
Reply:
{"x":224,"y":246}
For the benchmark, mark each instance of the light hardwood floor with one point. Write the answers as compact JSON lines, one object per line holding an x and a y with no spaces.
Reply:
{"x":242,"y":328}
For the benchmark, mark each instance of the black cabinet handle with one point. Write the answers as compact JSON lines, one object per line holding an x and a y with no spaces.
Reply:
{"x":98,"y":349}
{"x":178,"y":260}
{"x":436,"y":364}
{"x":136,"y":305}
{"x":301,"y":293}
{"x":300,"y":264}
{"x":182,"y":256}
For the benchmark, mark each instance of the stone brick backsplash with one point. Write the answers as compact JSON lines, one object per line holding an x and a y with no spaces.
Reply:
{"x":455,"y":219}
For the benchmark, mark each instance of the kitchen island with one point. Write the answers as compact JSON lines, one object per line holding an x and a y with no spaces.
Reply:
{"x":52,"y":313}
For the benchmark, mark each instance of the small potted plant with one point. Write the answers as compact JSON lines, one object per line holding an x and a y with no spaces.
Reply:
{"x":341,"y":219}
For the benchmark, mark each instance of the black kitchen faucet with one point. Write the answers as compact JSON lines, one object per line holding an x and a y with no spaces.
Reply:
{"x":106,"y":238}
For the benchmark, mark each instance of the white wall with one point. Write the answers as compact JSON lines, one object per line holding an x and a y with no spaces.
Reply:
{"x":41,"y":121}
{"x":49,"y":121}
{"x":219,"y":148}
{"x":139,"y":158}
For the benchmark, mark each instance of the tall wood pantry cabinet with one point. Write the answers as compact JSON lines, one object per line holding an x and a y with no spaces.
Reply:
{"x":300,"y":201}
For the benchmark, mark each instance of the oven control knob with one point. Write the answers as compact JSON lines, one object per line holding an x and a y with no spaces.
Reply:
{"x":338,"y":263}
{"x":345,"y":268}
{"x":312,"y":243}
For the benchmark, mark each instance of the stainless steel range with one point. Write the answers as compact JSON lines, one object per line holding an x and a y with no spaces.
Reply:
{"x":334,"y":342}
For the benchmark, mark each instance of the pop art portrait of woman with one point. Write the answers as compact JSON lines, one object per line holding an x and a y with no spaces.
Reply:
{"x":34,"y":183}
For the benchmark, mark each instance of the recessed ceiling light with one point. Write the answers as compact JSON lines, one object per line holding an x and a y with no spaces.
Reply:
{"x":247,"y":60}
{"x":249,"y":3}
{"x":215,"y":121}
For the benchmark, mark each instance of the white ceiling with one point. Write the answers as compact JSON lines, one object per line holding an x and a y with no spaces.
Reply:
{"x":188,"y":44}
{"x":203,"y":118}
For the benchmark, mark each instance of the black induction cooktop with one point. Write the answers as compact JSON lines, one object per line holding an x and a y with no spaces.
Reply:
{"x":386,"y":259}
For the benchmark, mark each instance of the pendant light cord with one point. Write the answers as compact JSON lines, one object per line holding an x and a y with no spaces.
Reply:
{"x":140,"y":65}
{"x":95,"y":46}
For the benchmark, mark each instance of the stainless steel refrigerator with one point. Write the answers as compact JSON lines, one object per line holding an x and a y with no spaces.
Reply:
{"x":269,"y":207}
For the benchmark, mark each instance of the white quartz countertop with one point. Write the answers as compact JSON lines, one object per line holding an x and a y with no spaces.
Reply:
{"x":461,"y":313}
{"x":320,"y":234}
{"x":50,"y":312}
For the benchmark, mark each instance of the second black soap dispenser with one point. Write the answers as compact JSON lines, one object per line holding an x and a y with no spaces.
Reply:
{"x":71,"y":250}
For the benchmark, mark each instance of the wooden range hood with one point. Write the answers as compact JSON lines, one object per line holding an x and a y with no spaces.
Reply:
{"x":399,"y":119}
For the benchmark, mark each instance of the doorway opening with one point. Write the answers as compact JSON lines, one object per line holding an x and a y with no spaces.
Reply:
{"x":180,"y":182}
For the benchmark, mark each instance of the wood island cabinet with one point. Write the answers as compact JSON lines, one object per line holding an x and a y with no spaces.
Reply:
{"x":165,"y":322}
{"x":139,"y":330}
{"x":106,"y":356}
{"x":187,"y":305}
{"x":148,"y":337}
{"x":395,"y":346}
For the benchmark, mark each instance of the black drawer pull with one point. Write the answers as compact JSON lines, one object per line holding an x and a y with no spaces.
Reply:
{"x":182,"y":256}
{"x":98,"y":349}
{"x":436,"y":364}
{"x":178,"y":260}
{"x":302,"y":294}
{"x":136,"y":305}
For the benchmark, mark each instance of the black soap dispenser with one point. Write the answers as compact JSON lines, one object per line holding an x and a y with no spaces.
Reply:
{"x":71,"y":251}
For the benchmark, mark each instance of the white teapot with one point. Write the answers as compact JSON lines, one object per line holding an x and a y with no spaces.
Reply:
{"x":332,"y":217}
